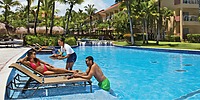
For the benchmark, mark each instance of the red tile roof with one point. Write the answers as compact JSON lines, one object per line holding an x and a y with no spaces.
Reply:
{"x":113,"y":6}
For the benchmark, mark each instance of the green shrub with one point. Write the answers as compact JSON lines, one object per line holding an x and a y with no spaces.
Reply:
{"x":48,"y":40}
{"x":172,"y":38}
{"x":137,"y":36}
{"x":70,"y":41}
{"x":193,"y":38}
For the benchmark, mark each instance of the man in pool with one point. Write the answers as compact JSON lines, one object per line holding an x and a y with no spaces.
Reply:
{"x":94,"y":70}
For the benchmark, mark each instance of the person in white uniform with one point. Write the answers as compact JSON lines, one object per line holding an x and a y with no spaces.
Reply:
{"x":70,"y":54}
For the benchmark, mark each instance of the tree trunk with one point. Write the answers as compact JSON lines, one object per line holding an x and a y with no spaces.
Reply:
{"x":46,"y":20}
{"x":28,"y":30}
{"x":158,"y":23}
{"x":36,"y":17}
{"x":90,"y":24}
{"x":143,"y":37}
{"x":146,"y":29}
{"x":130,"y":20}
{"x":6,"y":11}
{"x":68,"y":19}
{"x":52,"y":18}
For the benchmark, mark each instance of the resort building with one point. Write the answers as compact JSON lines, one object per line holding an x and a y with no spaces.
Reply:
{"x":107,"y":14}
{"x":185,"y":19}
{"x":186,"y":14}
{"x":112,"y":10}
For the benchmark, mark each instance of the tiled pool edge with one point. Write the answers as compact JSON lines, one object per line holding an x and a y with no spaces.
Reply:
{"x":162,"y":49}
{"x":5,"y":72}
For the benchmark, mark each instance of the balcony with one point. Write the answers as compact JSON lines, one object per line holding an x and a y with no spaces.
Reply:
{"x":190,"y":1}
{"x":190,"y":20}
{"x":186,"y":3}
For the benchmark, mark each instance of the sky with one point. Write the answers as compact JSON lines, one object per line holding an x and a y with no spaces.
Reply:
{"x":99,"y":4}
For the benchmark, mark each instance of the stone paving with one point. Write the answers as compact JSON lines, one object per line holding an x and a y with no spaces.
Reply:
{"x":7,"y":57}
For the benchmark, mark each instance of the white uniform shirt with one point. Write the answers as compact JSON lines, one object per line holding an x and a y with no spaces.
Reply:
{"x":67,"y":49}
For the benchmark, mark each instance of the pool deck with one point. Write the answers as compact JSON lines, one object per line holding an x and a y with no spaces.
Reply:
{"x":8,"y":56}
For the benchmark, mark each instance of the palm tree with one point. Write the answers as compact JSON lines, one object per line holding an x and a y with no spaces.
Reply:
{"x":79,"y":18}
{"x":17,"y":19}
{"x":159,"y":24}
{"x":166,"y":13}
{"x":6,"y":5}
{"x":64,"y":19}
{"x":71,"y":4}
{"x":52,"y":17}
{"x":45,"y":7}
{"x":36,"y":17}
{"x":29,"y":2}
{"x":128,"y":2}
{"x":119,"y":22}
{"x":90,"y":11}
{"x":147,"y":12}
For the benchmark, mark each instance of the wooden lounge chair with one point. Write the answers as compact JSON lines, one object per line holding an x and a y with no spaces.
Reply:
{"x":41,"y":82}
{"x":41,"y":74}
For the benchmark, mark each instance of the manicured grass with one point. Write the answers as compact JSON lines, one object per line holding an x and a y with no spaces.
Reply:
{"x":174,"y":45}
{"x":121,"y":43}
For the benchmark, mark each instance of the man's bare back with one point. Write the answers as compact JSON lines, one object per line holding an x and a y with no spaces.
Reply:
{"x":97,"y":72}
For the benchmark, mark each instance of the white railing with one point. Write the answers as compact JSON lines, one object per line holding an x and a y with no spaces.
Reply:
{"x":190,"y":1}
{"x":190,"y":18}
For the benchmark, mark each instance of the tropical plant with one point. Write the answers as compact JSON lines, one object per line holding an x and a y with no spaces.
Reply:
{"x":36,"y":17}
{"x":81,"y":19}
{"x":166,"y":14}
{"x":52,"y":17}
{"x":147,"y":12}
{"x":119,"y":22}
{"x":46,"y":9}
{"x":159,"y":23}
{"x":90,"y":11}
{"x":17,"y":19}
{"x":29,"y":2}
{"x":71,"y":3}
{"x":6,"y":5}
{"x":128,"y":2}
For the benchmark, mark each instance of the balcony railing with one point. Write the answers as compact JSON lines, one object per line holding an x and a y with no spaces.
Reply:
{"x":190,"y":1}
{"x":176,"y":2}
{"x":190,"y":18}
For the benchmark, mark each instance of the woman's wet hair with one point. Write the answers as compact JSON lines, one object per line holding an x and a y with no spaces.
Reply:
{"x":30,"y":52}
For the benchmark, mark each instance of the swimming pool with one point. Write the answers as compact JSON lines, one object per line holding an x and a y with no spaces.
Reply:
{"x":140,"y":74}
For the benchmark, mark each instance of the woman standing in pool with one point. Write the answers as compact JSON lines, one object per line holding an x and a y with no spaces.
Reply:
{"x":70,"y":54}
{"x":40,"y":65}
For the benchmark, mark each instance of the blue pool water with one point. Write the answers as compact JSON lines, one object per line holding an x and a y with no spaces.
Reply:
{"x":141,"y":74}
{"x":138,"y":74}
